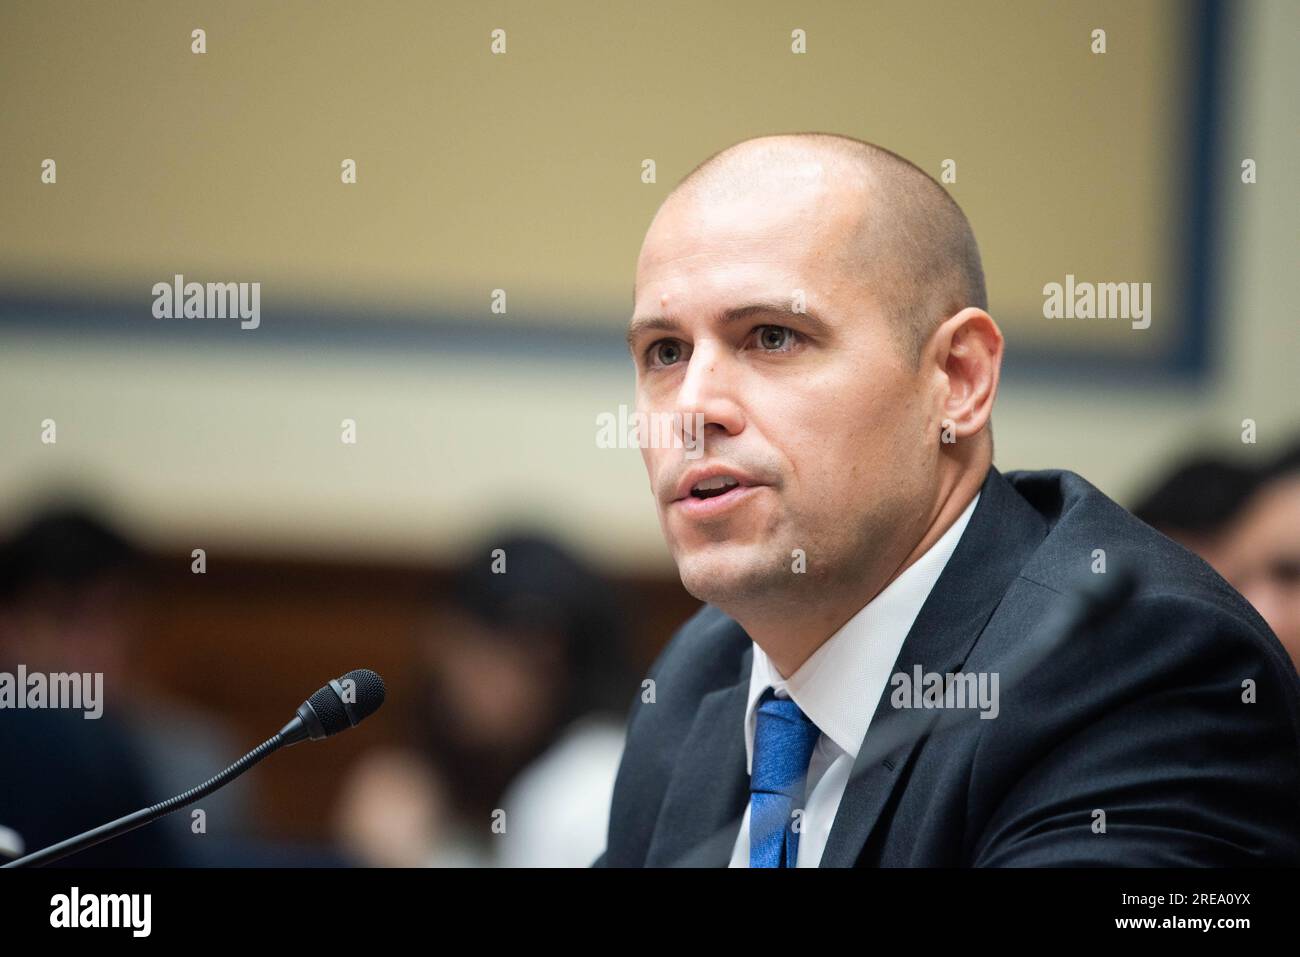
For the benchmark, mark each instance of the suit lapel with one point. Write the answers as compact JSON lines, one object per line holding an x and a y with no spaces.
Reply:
{"x":1003,"y":531}
{"x":709,"y":790}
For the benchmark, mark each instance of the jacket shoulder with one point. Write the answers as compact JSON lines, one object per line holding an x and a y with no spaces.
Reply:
{"x":1173,"y":719}
{"x":1088,"y":531}
{"x":1144,"y":715}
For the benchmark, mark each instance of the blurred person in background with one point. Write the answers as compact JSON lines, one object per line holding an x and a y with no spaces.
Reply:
{"x":1261,"y":550}
{"x":522,"y":713}
{"x":71,"y":590}
{"x":1245,"y":522}
{"x":1196,"y":502}
{"x":394,"y":812}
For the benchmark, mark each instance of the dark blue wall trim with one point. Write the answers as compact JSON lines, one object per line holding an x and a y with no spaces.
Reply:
{"x":310,"y":330}
{"x":1206,"y":174}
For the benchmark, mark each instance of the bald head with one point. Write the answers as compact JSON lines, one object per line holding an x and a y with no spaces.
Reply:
{"x":910,"y":248}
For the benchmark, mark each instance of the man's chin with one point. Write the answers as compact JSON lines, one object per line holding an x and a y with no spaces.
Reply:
{"x":724,"y":572}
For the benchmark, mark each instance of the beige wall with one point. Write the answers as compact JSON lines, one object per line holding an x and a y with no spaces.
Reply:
{"x":522,"y":171}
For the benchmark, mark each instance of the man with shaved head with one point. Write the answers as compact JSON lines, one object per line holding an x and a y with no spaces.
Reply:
{"x":908,"y":657}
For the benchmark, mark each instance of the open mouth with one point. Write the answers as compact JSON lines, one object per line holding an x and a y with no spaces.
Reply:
{"x":714,"y":487}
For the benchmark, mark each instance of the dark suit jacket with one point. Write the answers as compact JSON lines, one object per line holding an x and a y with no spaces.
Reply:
{"x":1140,"y":717}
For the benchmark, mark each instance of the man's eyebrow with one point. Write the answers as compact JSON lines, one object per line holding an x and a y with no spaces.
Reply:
{"x":765,"y":307}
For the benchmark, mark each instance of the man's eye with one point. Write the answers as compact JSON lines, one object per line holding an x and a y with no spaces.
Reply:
{"x":666,"y":352}
{"x":775,"y":338}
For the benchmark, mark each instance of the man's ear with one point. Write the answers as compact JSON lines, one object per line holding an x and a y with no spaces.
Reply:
{"x":965,"y":353}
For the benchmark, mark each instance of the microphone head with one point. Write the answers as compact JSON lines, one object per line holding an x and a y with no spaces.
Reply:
{"x":345,"y":701}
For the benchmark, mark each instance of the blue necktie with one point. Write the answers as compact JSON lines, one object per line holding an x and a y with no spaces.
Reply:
{"x":783,"y":744}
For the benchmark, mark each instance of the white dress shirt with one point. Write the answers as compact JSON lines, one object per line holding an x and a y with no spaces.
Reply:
{"x":838,"y":688}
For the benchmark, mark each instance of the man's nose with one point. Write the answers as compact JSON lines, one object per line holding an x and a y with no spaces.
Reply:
{"x":709,"y":393}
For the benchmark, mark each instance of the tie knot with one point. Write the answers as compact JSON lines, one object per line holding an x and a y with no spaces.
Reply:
{"x":784,"y":738}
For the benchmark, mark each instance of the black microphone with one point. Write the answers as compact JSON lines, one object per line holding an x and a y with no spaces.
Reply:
{"x":341,"y":704}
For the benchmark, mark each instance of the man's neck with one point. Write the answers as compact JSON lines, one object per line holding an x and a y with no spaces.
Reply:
{"x":790,"y":631}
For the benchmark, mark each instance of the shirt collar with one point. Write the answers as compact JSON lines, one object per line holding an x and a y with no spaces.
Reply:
{"x":840,"y":683}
